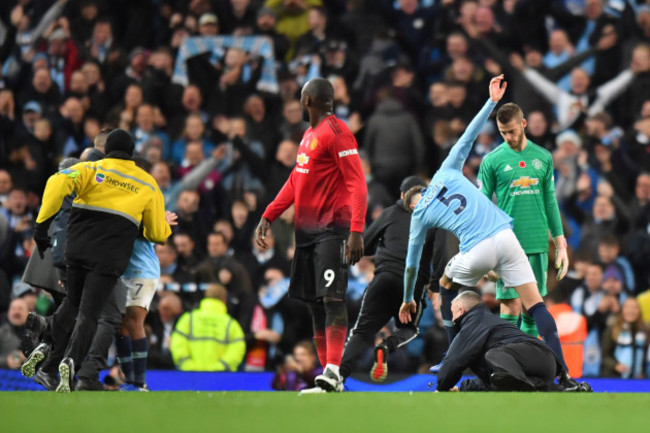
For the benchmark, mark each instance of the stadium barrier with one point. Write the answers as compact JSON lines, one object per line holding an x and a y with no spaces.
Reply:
{"x":11,"y":380}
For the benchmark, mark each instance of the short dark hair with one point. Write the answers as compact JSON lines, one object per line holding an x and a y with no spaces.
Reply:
{"x":610,"y":240}
{"x":321,"y":92}
{"x":410,"y":194}
{"x":508,"y":112}
{"x":221,"y":235}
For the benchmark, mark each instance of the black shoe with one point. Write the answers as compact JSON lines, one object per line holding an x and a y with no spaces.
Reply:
{"x":34,"y":328}
{"x":28,"y":369}
{"x":87,"y":384}
{"x":66,"y":373}
{"x":578,"y":387}
{"x":569,"y":384}
{"x":47,"y":380}
{"x":504,"y":381}
{"x":379,"y":369}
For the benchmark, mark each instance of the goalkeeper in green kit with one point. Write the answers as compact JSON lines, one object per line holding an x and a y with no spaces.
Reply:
{"x":521,"y":174}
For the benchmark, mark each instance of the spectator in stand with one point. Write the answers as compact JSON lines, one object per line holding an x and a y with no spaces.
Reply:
{"x":258,"y":261}
{"x":207,"y":338}
{"x":6,"y":185}
{"x":593,"y":301}
{"x":292,"y":18}
{"x":605,"y":219}
{"x":99,"y":99}
{"x":293,"y":125}
{"x":266,"y":25}
{"x":133,"y":74}
{"x":124,"y":114}
{"x":238,"y":17}
{"x":146,"y":133}
{"x":625,"y":344}
{"x":243,"y":223}
{"x":299,"y":369}
{"x":279,"y":322}
{"x":538,"y":130}
{"x":609,"y":253}
{"x":159,"y":325}
{"x":221,"y":268}
{"x":194,"y":131}
{"x":394,"y":143}
{"x":11,"y":334}
{"x":188,"y":257}
{"x":62,"y":52}
{"x":70,"y":132}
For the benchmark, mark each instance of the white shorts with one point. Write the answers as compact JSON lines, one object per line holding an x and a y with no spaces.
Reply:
{"x":500,"y":253}
{"x":140,"y":291}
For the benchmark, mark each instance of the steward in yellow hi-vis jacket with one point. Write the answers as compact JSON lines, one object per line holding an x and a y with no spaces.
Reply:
{"x":114,"y":198}
{"x":207,"y":338}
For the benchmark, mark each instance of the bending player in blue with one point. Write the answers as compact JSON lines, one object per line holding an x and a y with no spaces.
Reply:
{"x":487,"y":242}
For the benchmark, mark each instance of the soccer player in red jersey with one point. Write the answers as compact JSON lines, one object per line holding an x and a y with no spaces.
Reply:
{"x":328,"y":188}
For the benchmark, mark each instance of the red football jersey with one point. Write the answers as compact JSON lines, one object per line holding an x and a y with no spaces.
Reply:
{"x":327,"y":184}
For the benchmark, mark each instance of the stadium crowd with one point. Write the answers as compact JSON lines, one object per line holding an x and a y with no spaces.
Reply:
{"x":209,"y":90}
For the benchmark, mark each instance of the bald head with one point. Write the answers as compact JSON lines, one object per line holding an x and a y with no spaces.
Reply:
{"x":216,"y":291}
{"x":318,"y":93}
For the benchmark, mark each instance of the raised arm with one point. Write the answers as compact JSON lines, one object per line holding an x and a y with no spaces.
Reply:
{"x":610,"y":90}
{"x":543,"y":85}
{"x":461,"y":149}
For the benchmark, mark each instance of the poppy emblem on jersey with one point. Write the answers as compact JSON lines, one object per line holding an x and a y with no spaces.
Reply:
{"x":302,"y":159}
{"x":524,"y":182}
{"x":313,"y":144}
{"x":522,"y":164}
{"x":99,"y":178}
{"x":537,"y":164}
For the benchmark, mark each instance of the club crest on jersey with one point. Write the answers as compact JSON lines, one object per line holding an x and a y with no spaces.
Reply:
{"x":537,"y":164}
{"x":522,"y":164}
{"x":524,"y":182}
{"x":313,"y":144}
{"x":302,"y":159}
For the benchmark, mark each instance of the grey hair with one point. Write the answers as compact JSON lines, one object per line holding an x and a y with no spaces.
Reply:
{"x":468,"y":299}
{"x":68,"y":162}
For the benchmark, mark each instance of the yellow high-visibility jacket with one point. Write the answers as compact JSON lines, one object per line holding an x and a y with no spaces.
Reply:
{"x":114,"y":198}
{"x":208,"y":339}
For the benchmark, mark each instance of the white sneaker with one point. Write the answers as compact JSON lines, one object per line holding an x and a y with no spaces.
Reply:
{"x":330,"y":381}
{"x":314,"y":390}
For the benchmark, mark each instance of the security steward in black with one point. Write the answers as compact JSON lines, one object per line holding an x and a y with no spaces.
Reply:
{"x":502,"y":356}
{"x":387,"y":239}
{"x":114,"y":198}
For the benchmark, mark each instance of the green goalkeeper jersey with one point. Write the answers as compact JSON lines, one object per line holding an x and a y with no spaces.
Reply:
{"x":525,"y":190}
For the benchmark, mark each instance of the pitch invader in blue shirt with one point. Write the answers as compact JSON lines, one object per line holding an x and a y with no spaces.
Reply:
{"x":140,"y":278}
{"x":487,"y":242}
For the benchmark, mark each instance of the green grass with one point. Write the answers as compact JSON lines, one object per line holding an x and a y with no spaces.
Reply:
{"x":208,"y":412}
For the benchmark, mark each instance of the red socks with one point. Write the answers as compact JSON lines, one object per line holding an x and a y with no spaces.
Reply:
{"x":335,"y":335}
{"x":321,"y":347}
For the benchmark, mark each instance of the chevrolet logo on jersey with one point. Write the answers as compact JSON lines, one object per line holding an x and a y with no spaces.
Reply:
{"x":302,"y":159}
{"x":524,"y":182}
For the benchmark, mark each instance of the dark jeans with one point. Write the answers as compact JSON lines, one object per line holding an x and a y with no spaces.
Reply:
{"x":75,"y":321}
{"x":529,"y":361}
{"x":381,"y":301}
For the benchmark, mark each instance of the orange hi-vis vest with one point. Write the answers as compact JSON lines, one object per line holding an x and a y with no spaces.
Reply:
{"x":572,"y":329}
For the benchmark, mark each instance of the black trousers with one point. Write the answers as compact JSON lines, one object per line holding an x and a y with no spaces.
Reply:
{"x":75,"y":321}
{"x":526,"y":360}
{"x":381,"y":301}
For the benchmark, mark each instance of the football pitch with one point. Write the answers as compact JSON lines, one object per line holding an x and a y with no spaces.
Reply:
{"x":330,"y":413}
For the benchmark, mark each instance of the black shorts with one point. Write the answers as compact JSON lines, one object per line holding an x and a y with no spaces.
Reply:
{"x":319,"y":270}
